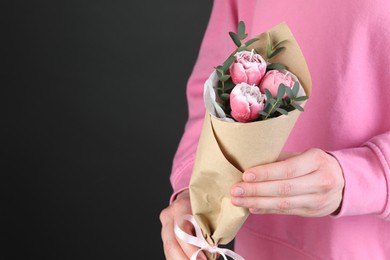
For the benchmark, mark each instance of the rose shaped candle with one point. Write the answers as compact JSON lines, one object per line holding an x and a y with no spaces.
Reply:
{"x":246,"y":102}
{"x":273,"y":78}
{"x":248,"y":67}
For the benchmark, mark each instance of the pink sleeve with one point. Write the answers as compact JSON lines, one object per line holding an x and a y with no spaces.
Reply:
{"x":366,"y":169}
{"x":215,"y":48}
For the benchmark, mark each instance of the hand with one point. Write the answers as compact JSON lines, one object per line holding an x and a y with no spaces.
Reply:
{"x":308,"y":184}
{"x":174,"y":248}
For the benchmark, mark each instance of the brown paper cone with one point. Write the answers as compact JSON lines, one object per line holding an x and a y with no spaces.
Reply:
{"x":226,"y":149}
{"x":292,"y":57}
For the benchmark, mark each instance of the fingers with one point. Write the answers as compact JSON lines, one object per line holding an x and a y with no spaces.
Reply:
{"x":174,"y":248}
{"x":294,"y":166}
{"x":282,"y":188}
{"x":296,"y":205}
{"x":307,"y":184}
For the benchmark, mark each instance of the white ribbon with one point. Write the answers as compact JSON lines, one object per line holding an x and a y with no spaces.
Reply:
{"x":201,"y":242}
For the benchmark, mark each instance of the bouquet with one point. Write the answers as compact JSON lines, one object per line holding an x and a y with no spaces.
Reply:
{"x":252,"y":103}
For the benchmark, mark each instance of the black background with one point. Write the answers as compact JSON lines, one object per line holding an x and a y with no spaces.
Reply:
{"x":93,"y":109}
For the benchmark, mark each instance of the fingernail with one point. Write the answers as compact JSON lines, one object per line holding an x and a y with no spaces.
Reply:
{"x":249,"y":176}
{"x":238,"y":191}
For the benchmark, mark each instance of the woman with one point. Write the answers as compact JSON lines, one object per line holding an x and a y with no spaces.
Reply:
{"x":328,"y":196}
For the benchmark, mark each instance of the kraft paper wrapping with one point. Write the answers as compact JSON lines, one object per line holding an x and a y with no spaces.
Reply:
{"x":226,"y":149}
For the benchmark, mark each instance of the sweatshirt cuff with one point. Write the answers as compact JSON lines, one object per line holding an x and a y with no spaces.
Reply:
{"x":181,"y":181}
{"x":363,"y":174}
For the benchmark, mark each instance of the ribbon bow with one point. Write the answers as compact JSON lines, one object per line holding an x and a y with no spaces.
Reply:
{"x":201,"y":242}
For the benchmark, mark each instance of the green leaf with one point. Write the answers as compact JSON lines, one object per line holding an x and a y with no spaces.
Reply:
{"x":219,"y":74}
{"x":263,"y":113}
{"x":282,"y":111}
{"x":225,"y":96}
{"x":268,"y":94}
{"x":243,"y":36}
{"x":249,"y":42}
{"x":301,"y":98}
{"x":281,"y":91}
{"x":219,"y":68}
{"x":235,"y":39}
{"x":267,"y":106}
{"x":275,"y":66}
{"x":289,"y":92}
{"x":295,"y":88}
{"x":276,"y":52}
{"x":229,"y":85}
{"x":228,"y":62}
{"x":268,"y":51}
{"x":241,"y":48}
{"x":272,"y":101}
{"x":279,"y":43}
{"x":296,"y":106}
{"x":270,"y":39}
{"x":241,"y":28}
{"x":224,"y":77}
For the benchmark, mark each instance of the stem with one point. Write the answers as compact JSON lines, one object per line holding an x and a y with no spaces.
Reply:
{"x":272,"y":108}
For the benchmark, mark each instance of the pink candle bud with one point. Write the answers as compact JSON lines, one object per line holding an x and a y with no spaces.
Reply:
{"x":246,"y":102}
{"x":248,"y":67}
{"x":273,"y":78}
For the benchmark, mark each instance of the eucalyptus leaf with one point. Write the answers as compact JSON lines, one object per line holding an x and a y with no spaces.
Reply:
{"x":275,"y":66}
{"x":224,"y":77}
{"x":263,"y":113}
{"x":229,"y":85}
{"x":272,"y":101}
{"x":268,"y":94}
{"x":242,"y":48}
{"x":282,"y":111}
{"x":270,"y":39}
{"x":268,"y":50}
{"x":289,"y":93}
{"x":219,"y":74}
{"x":221,"y":70}
{"x":301,"y":98}
{"x":281,"y":91}
{"x":295,"y":88}
{"x":225,"y":96}
{"x":243,"y":36}
{"x":279,"y":43}
{"x":228,"y":62}
{"x":249,"y":42}
{"x":298,"y":107}
{"x":241,"y":27}
{"x":235,"y":38}
{"x":276,"y":52}
{"x":267,"y":106}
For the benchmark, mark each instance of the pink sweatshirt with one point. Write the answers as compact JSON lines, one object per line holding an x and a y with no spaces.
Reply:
{"x":346,"y":44}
